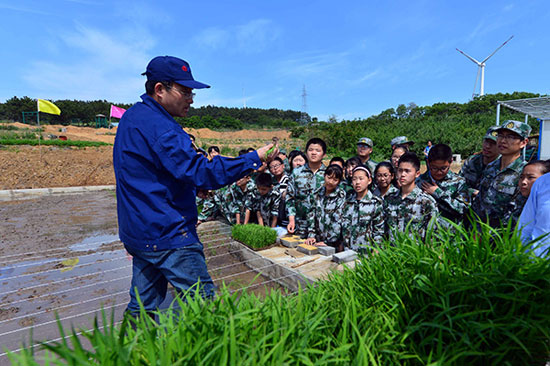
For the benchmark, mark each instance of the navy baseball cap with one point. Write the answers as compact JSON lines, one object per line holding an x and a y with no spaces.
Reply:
{"x":169,"y":68}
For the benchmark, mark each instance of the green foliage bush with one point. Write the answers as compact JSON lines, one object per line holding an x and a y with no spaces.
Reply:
{"x":253,"y":235}
{"x":461,"y":126}
{"x":466,"y":298}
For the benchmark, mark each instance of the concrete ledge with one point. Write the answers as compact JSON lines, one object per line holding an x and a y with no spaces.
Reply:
{"x":286,"y":277}
{"x":25,"y":194}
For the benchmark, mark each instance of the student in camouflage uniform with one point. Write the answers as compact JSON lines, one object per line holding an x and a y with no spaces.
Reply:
{"x":472,"y":169}
{"x":264,"y":201}
{"x":364,"y":150}
{"x":384,"y":176}
{"x":499,"y":185}
{"x":531,"y":172}
{"x":284,"y":158}
{"x":304,"y":182}
{"x":409,"y":206}
{"x":401,"y":141}
{"x":351,"y":164}
{"x":363,"y":215}
{"x":217,"y":203}
{"x":449,"y":190}
{"x":324,"y":217}
{"x":239,"y":192}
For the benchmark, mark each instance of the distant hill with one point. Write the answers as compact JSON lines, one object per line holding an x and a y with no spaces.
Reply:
{"x":84,"y":112}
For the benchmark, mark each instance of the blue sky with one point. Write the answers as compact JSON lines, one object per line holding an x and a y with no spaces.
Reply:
{"x":355,"y":58}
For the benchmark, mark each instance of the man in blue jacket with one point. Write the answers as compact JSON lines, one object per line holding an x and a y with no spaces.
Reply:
{"x":157,"y":174}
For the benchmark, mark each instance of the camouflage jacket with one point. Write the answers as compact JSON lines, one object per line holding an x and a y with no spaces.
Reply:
{"x":390,"y":191}
{"x":498,"y":190}
{"x":303,"y":183}
{"x":238,"y":199}
{"x":267,"y":205}
{"x":472,"y":171}
{"x":325,"y":216}
{"x":218,"y":203}
{"x":452,"y":195}
{"x":418,"y":209}
{"x":371,"y":165}
{"x":514,"y":215}
{"x":363,"y":221}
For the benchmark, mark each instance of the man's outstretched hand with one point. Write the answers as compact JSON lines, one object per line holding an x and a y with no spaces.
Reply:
{"x":268,"y":152}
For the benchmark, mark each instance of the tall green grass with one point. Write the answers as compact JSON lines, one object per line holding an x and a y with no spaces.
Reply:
{"x":461,"y":298}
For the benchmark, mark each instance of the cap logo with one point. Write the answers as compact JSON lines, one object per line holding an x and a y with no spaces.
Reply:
{"x":510,"y":125}
{"x":184,"y":68}
{"x":494,"y":133}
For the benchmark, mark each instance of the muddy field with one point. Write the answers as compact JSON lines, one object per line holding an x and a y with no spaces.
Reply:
{"x":61,"y":255}
{"x":24,"y":167}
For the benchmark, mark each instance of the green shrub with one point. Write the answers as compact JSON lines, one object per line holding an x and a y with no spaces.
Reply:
{"x":466,"y":298}
{"x":253,"y":235}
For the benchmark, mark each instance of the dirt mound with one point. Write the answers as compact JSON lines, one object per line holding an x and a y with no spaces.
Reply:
{"x":267,"y":135}
{"x":48,"y":166}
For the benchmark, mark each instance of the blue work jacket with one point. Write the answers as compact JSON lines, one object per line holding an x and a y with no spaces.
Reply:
{"x":157,"y":172}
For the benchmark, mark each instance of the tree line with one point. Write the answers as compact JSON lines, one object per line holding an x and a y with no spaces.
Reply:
{"x":461,"y":126}
{"x":84,"y":113}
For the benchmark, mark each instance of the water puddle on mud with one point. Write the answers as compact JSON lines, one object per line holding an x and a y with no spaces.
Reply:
{"x":94,"y":242}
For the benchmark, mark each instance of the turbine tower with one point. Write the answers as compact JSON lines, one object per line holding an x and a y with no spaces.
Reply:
{"x":481,"y":68}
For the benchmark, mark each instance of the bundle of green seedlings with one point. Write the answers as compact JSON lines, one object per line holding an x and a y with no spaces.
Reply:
{"x":458,"y":298}
{"x":254,"y":235}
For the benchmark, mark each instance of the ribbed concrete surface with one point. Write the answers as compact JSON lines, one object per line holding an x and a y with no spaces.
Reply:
{"x":22,"y":194}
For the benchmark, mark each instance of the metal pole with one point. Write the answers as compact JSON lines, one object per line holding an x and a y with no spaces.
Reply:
{"x":498,"y":115}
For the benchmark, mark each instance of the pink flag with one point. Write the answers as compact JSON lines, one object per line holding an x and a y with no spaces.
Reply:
{"x":117,"y":112}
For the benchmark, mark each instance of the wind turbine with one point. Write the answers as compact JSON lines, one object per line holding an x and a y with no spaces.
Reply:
{"x":481,"y":67}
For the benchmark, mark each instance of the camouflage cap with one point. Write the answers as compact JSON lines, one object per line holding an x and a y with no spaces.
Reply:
{"x":282,"y":151}
{"x":521,"y":128}
{"x":366,"y":141}
{"x":491,"y":133}
{"x":401,"y":140}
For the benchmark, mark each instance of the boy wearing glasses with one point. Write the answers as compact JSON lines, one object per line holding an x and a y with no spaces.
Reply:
{"x":499,"y":185}
{"x":449,"y":190}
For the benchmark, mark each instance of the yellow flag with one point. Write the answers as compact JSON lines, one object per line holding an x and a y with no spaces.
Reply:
{"x":48,"y":107}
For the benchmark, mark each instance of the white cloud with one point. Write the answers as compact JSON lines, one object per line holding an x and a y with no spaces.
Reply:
{"x":252,"y":37}
{"x":107,"y":66}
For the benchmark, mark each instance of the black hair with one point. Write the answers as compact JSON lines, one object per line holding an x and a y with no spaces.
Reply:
{"x":405,"y":147}
{"x":363,"y":168}
{"x":292,"y":154}
{"x":334,"y":170}
{"x":264,"y":180}
{"x":298,"y":153}
{"x":276,"y":159}
{"x":242,"y":152}
{"x":544,"y":165}
{"x":410,"y":157}
{"x":385,"y":164}
{"x":150,"y":85}
{"x":250,"y":149}
{"x":353,"y":161}
{"x":339,"y":159}
{"x":317,"y":141}
{"x":192,"y":137}
{"x":213,"y":148}
{"x":440,"y":152}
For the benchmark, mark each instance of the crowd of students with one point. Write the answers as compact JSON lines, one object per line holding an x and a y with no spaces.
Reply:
{"x":358,"y":203}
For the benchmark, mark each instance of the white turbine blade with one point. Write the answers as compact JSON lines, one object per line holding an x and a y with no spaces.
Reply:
{"x":470,"y":57}
{"x":502,"y":45}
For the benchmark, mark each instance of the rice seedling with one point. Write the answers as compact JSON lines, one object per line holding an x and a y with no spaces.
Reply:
{"x":461,"y":297}
{"x":253,"y":235}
